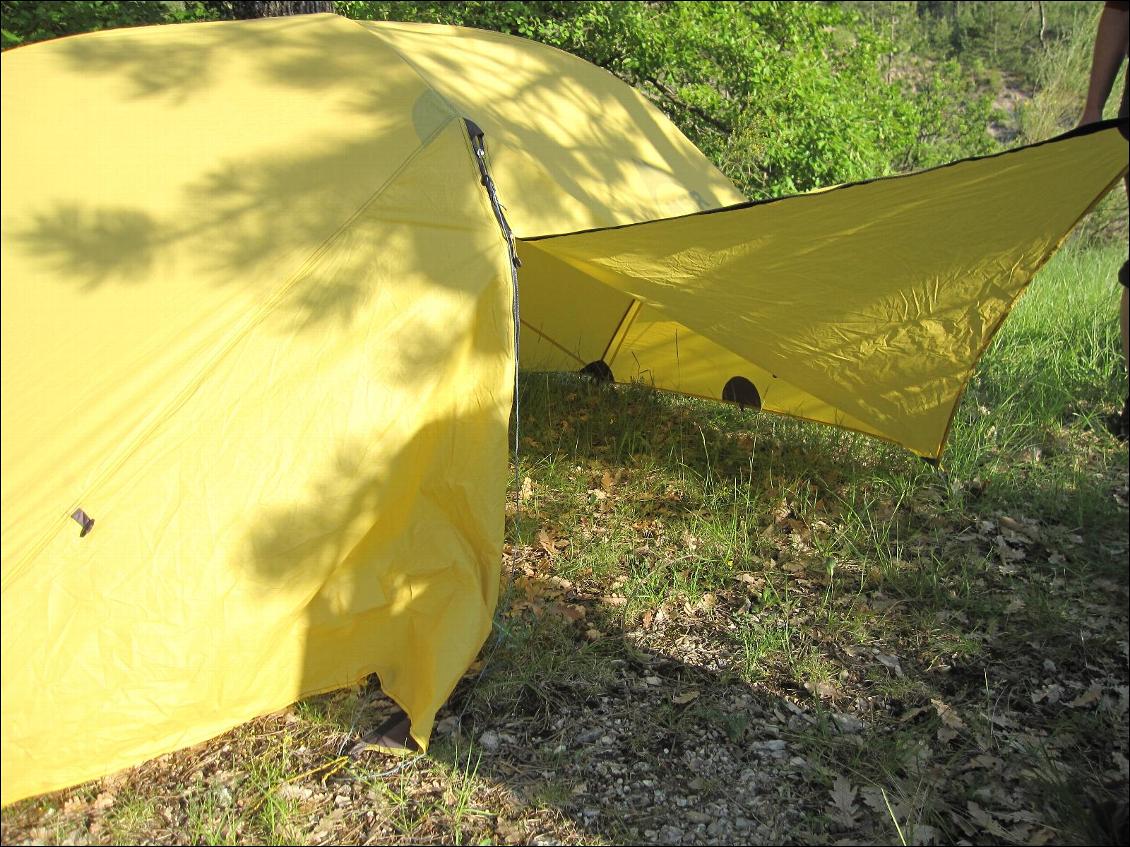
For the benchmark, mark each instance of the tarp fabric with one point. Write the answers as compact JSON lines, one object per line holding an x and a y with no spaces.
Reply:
{"x":256,"y":325}
{"x":867,"y":306}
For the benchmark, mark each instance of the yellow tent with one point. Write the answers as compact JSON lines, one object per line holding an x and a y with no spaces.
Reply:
{"x":258,"y":345}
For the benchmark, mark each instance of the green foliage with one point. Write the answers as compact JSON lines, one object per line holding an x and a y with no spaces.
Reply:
{"x":783,"y":97}
{"x":25,"y":21}
{"x":992,"y":39}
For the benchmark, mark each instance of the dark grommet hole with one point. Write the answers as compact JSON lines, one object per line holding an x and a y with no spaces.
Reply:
{"x":743,"y":392}
{"x":599,"y":371}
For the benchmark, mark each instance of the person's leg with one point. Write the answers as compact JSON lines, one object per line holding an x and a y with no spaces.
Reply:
{"x":1123,"y":431}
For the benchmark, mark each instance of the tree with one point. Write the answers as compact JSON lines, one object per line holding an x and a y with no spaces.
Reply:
{"x":245,"y":9}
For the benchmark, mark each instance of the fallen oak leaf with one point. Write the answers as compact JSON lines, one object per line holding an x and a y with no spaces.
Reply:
{"x":545,"y":542}
{"x":984,"y":820}
{"x":1052,"y":694}
{"x":1091,"y":695}
{"x":571,"y":612}
{"x":1014,"y":605}
{"x":842,"y":801}
{"x":949,"y":717}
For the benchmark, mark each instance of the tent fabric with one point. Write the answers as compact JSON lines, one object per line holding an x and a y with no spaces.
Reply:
{"x":256,"y":326}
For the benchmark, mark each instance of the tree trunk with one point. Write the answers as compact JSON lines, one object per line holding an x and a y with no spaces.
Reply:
{"x":244,"y":9}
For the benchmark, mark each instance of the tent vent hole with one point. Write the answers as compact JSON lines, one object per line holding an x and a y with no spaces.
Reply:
{"x":599,"y":371}
{"x":743,"y":392}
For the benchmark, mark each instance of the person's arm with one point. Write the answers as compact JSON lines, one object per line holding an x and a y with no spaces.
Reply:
{"x":1110,"y":49}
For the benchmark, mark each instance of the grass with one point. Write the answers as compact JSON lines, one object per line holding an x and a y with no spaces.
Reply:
{"x":791,"y":626}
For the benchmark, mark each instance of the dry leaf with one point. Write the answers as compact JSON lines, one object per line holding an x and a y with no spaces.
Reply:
{"x":756,"y":583}
{"x":911,"y":714}
{"x":923,"y":834}
{"x":1009,"y":523}
{"x":572,"y":613}
{"x":984,"y":820}
{"x":843,"y":800}
{"x":1007,"y":551}
{"x":685,"y":697}
{"x":823,"y":689}
{"x":1091,"y":695}
{"x":1052,"y":694}
{"x":949,"y":717}
{"x":103,"y":801}
{"x":889,"y":662}
{"x":545,"y":542}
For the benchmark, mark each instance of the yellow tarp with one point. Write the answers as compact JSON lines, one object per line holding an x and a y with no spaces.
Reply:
{"x":866,"y":306}
{"x":256,"y":324}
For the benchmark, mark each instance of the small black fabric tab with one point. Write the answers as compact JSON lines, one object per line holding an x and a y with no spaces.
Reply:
{"x":84,"y":520}
{"x":473,"y":129}
{"x":743,"y":392}
{"x":599,"y":371}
